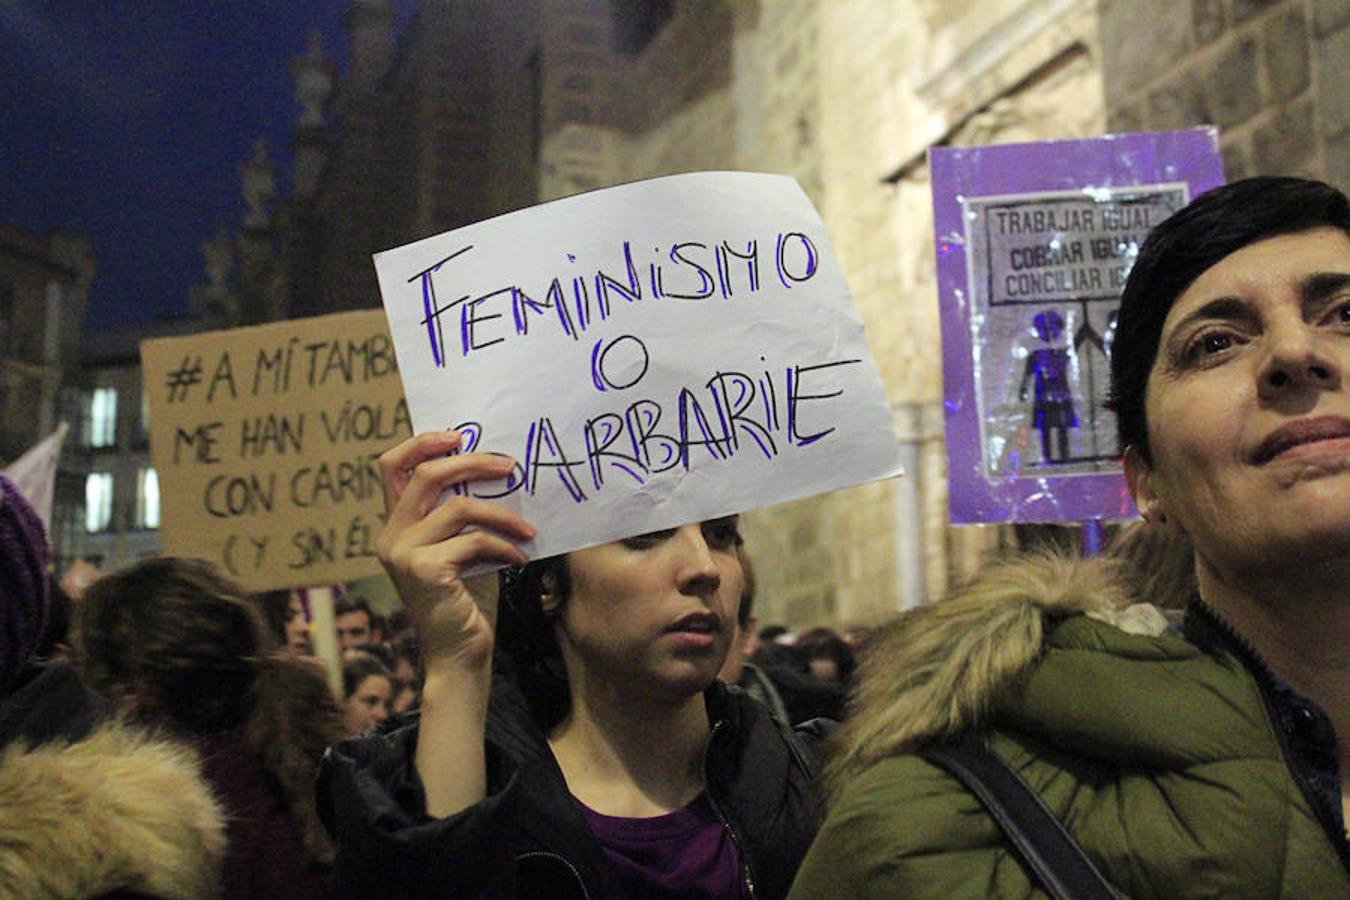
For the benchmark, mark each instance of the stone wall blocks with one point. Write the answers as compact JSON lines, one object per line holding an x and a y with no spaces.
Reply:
{"x":1139,"y":34}
{"x":1234,"y":90}
{"x":1128,"y":117}
{"x":1208,"y":20}
{"x":1240,"y":11}
{"x":1236,"y":158}
{"x":1286,"y":55}
{"x":1286,"y":144}
{"x":1179,"y":103}
{"x":1329,"y":15}
{"x":1337,"y":155}
{"x":1333,"y":83}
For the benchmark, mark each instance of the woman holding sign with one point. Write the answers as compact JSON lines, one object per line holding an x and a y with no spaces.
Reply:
{"x":604,"y":759}
{"x":1200,"y":765}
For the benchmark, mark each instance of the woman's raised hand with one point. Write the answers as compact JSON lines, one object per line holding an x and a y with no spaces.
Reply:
{"x":426,"y":548}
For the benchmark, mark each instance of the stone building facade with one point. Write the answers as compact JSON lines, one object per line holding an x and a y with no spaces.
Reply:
{"x":481,"y":107}
{"x":846,"y":97}
{"x":106,"y":510}
{"x":1272,"y":74}
{"x":44,"y":288}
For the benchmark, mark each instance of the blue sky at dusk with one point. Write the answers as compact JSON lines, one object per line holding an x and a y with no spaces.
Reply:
{"x":128,"y":122}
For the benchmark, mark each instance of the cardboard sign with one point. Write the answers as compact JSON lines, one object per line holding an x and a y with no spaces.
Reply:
{"x":266,"y":439}
{"x":1034,"y":242}
{"x":650,"y":355}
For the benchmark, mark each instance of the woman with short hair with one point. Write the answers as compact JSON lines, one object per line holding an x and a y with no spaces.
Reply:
{"x":1202,"y":765}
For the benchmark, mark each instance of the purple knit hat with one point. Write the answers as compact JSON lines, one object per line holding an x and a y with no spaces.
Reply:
{"x":23,"y":583}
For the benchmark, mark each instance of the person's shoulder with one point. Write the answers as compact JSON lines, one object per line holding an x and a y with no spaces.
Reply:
{"x":139,"y":798}
{"x":50,"y":703}
{"x":902,"y":827}
{"x":1138,"y":631}
{"x":896,"y":788}
{"x":383,"y":752}
{"x":1142,"y":700}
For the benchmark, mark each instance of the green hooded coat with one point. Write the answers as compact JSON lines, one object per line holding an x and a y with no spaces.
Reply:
{"x":1158,"y":756}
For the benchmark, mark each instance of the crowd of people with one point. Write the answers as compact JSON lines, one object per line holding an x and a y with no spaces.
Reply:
{"x":616,"y":721}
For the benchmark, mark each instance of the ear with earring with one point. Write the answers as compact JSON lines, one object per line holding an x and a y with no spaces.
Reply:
{"x":1159,"y":519}
{"x":548,"y":599}
{"x":1139,"y":476}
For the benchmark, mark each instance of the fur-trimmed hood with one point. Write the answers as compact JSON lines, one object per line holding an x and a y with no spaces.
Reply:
{"x":119,"y":810}
{"x":939,"y":669}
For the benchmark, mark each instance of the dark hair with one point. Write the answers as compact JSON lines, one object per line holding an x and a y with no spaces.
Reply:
{"x":825,"y":643}
{"x":196,"y":639}
{"x":275,"y":606}
{"x":297,"y":719}
{"x":1176,"y":252}
{"x":181,"y":627}
{"x":382,"y":652}
{"x":399,"y":625}
{"x":358,"y":668}
{"x":410,"y":648}
{"x":59,"y":609}
{"x":748,"y":585}
{"x":345,"y":605}
{"x":526,"y":647}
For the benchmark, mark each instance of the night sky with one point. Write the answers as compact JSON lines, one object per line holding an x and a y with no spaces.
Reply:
{"x":128,"y":121}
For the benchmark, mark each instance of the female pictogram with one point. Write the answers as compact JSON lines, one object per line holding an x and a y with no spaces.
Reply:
{"x":1052,"y":407}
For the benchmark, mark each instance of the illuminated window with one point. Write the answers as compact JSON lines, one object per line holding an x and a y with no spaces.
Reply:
{"x":101,"y":426}
{"x":143,"y":426}
{"x":147,"y":499}
{"x":98,"y":501}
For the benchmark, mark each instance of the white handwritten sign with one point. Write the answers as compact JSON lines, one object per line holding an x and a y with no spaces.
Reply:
{"x":650,"y":355}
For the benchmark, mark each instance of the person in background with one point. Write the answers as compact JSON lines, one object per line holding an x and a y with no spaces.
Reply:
{"x":1209,"y":764}
{"x":804,"y":696}
{"x":88,"y":806}
{"x":356,"y":624}
{"x":605,"y":760}
{"x":178,"y":646}
{"x":738,"y":669}
{"x":827,"y":655}
{"x":408,"y":675}
{"x":398,"y":628}
{"x":367,"y":691}
{"x":287,"y":619}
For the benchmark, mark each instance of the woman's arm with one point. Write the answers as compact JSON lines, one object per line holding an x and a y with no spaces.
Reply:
{"x":425,"y":548}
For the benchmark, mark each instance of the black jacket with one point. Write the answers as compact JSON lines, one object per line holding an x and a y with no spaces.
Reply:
{"x":527,"y":838}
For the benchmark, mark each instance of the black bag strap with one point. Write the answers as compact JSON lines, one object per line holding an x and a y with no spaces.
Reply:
{"x":1038,"y":837}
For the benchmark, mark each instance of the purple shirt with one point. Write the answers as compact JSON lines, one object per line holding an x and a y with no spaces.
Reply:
{"x":685,"y":854}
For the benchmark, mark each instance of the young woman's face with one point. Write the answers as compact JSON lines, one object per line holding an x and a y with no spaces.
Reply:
{"x":368,"y":705}
{"x":1249,"y":406}
{"x":297,"y":629}
{"x":653,"y":613}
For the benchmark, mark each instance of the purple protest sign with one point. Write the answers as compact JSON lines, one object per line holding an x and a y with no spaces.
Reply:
{"x":1033,"y":245}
